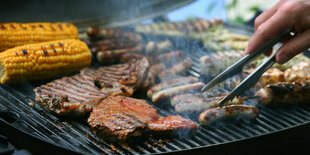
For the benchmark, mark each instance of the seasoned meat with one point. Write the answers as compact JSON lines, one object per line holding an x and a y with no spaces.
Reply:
{"x":72,"y":96}
{"x":130,"y":56}
{"x":272,"y":76}
{"x":121,"y":79}
{"x":171,"y":83}
{"x":227,"y":112}
{"x":156,"y":68}
{"x":175,"y":70}
{"x":298,"y":73}
{"x":171,"y":58}
{"x":284,"y":93}
{"x":172,"y":124}
{"x":121,"y":118}
{"x":201,"y":104}
{"x":170,"y":92}
{"x":152,"y":48}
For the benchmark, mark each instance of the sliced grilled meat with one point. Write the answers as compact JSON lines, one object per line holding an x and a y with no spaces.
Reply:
{"x":121,"y":118}
{"x":72,"y":96}
{"x":175,"y":70}
{"x":172,"y":125}
{"x":171,"y":83}
{"x":227,"y":112}
{"x":201,"y":104}
{"x":284,"y":93}
{"x":121,"y":79}
{"x":170,"y":92}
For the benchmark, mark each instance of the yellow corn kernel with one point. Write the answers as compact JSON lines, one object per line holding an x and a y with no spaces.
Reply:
{"x":17,"y":34}
{"x":43,"y":60}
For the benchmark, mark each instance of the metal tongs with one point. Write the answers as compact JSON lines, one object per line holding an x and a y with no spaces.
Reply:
{"x":253,"y":78}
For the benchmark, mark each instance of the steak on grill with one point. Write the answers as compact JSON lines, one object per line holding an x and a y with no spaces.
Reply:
{"x":74,"y":96}
{"x":121,"y":118}
{"x":172,"y":124}
{"x":78,"y":94}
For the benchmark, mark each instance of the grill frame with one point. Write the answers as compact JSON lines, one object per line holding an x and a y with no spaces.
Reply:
{"x":74,"y":134}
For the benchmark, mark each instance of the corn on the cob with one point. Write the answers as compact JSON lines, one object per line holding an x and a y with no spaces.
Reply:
{"x":17,"y":34}
{"x":43,"y":60}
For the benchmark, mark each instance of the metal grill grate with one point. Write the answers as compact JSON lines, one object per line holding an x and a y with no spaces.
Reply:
{"x":77,"y":135}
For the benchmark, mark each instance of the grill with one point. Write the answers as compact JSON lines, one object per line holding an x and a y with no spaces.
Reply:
{"x":18,"y":117}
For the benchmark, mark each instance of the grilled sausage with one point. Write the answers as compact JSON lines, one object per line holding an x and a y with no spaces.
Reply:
{"x":284,"y":92}
{"x":176,"y":69}
{"x":185,"y":97}
{"x":171,"y":83}
{"x":227,"y":112}
{"x":171,"y":58}
{"x":167,"y":93}
{"x":152,"y":48}
{"x":199,"y":105}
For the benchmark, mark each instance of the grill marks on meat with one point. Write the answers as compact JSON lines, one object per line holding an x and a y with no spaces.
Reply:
{"x":72,"y":96}
{"x":170,"y":92}
{"x":171,"y":83}
{"x":213,"y":115}
{"x":284,"y":93}
{"x":122,"y":79}
{"x":121,"y":118}
{"x":172,"y":124}
{"x":78,"y":94}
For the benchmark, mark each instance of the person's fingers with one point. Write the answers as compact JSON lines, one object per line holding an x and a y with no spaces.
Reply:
{"x":293,"y":47}
{"x":283,"y":19}
{"x":267,"y":14}
{"x":268,"y":52}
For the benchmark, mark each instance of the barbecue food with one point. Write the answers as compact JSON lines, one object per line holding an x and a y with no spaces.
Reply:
{"x":171,"y":125}
{"x":182,"y":89}
{"x":120,"y":79}
{"x":152,"y":48}
{"x":72,"y":96}
{"x":201,"y":104}
{"x":43,"y":60}
{"x":175,"y":70}
{"x":185,"y":97}
{"x":284,"y":93}
{"x":18,"y":34}
{"x":213,"y":64}
{"x":298,"y":73}
{"x":171,"y":58}
{"x":121,"y":118}
{"x":227,"y":112}
{"x":171,"y":83}
{"x":179,"y":28}
{"x":272,"y":76}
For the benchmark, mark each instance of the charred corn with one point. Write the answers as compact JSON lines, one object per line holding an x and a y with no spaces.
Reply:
{"x":43,"y":60}
{"x":17,"y":34}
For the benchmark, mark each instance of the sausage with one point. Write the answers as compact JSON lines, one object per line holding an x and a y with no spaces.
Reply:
{"x":171,"y":83}
{"x":171,"y":58}
{"x":199,"y":105}
{"x":185,"y":97}
{"x":227,"y":112}
{"x":167,"y":93}
{"x":176,"y":69}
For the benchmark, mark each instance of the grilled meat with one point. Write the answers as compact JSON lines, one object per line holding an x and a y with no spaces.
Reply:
{"x":171,"y":83}
{"x":213,"y":64}
{"x":172,"y":124}
{"x":121,"y":79}
{"x":298,"y":73}
{"x":284,"y":93}
{"x":201,"y":104}
{"x":129,"y":56}
{"x":121,"y":118}
{"x":185,"y":97}
{"x":227,"y":112}
{"x":113,"y":56}
{"x":72,"y":96}
{"x":156,"y":68}
{"x":182,"y":89}
{"x":171,"y":58}
{"x":152,"y":48}
{"x":175,"y":70}
{"x":272,"y":76}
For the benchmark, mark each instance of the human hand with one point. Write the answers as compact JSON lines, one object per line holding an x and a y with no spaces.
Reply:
{"x":286,"y":14}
